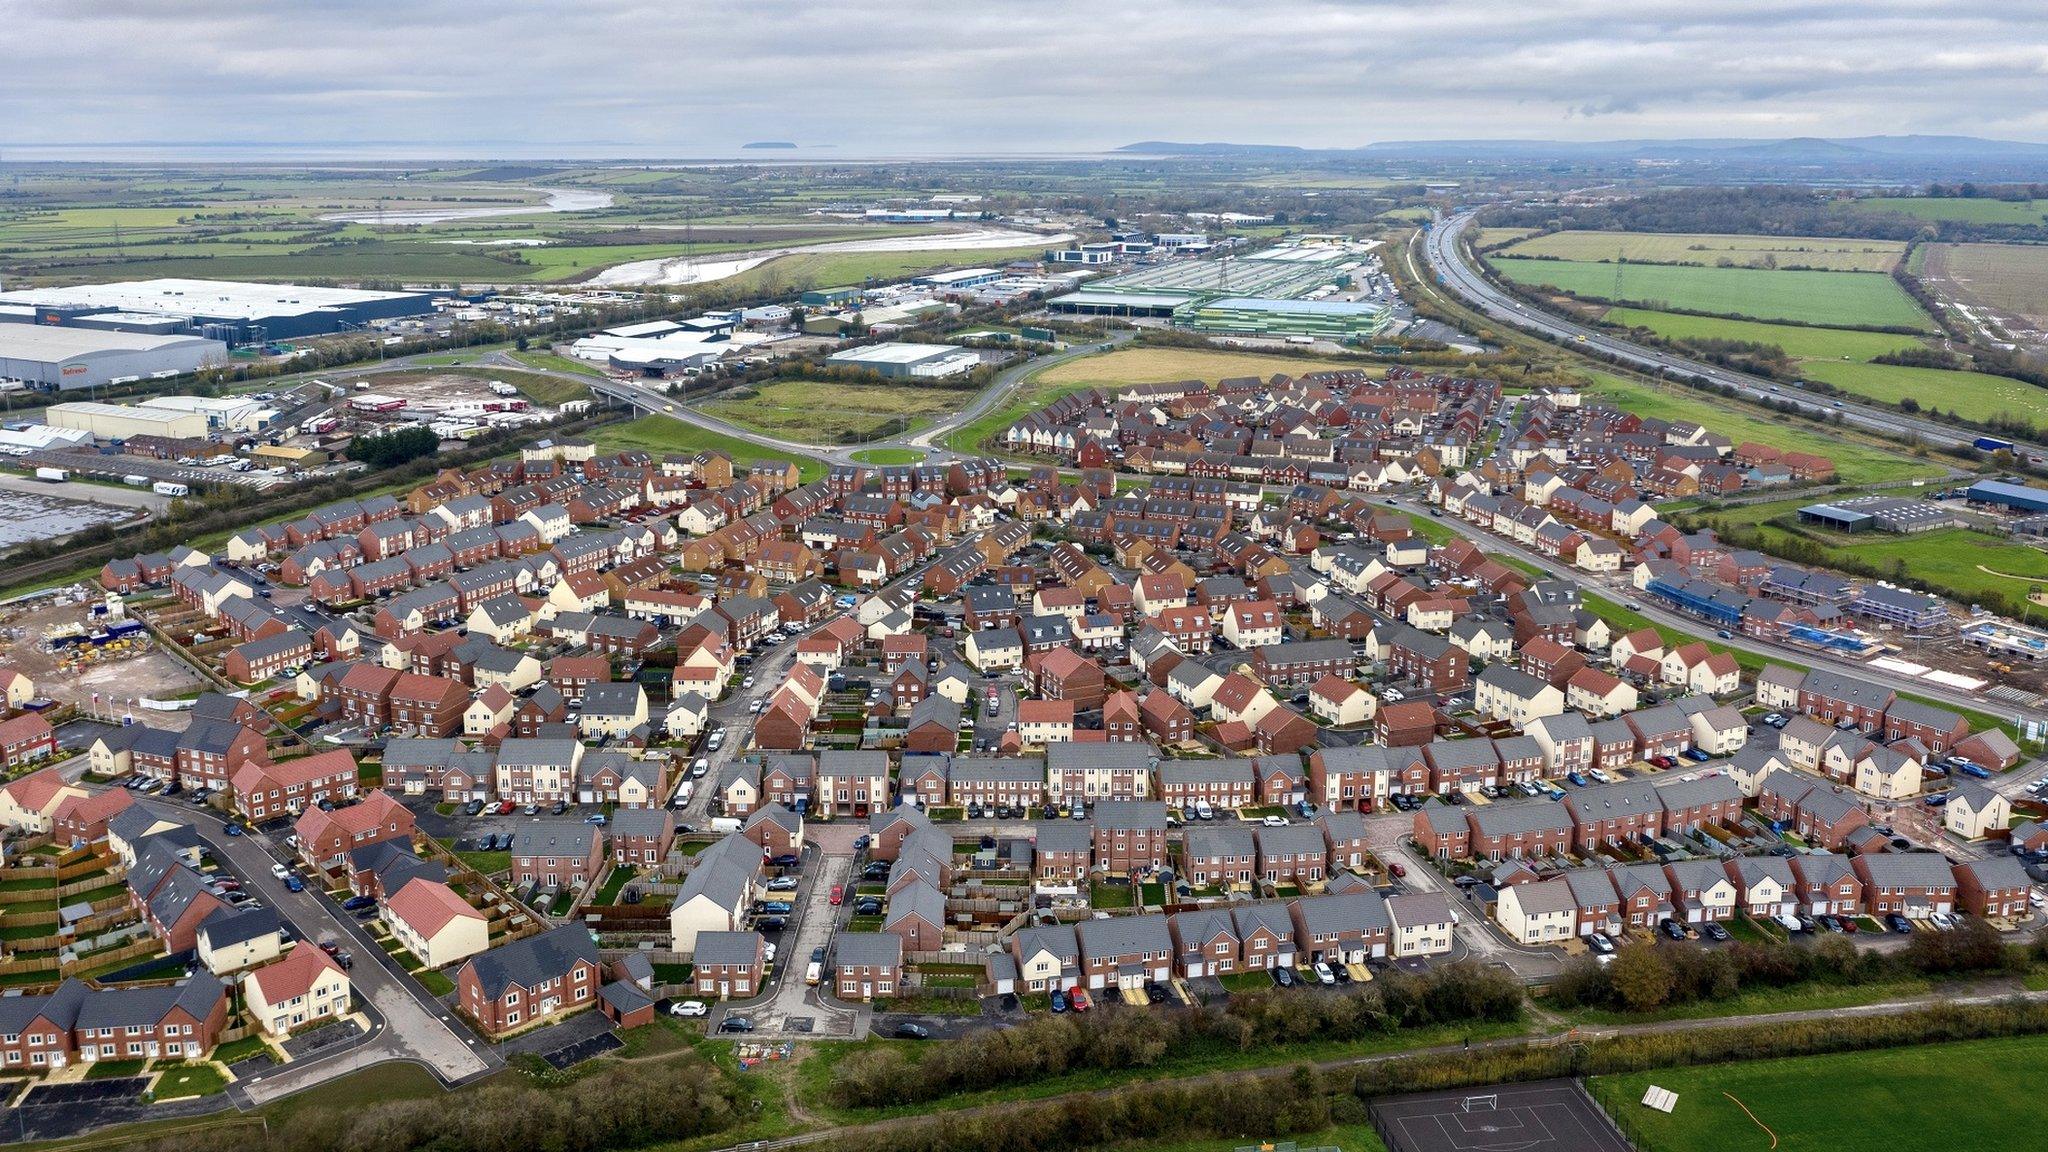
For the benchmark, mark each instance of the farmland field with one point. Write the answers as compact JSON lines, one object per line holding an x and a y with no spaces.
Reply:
{"x":1856,"y":461}
{"x":659,"y":434}
{"x":1490,"y":237}
{"x":1843,"y":299}
{"x":1843,"y":1102}
{"x":1798,"y":341}
{"x":1709,"y":249}
{"x":1971,"y":395}
{"x":816,"y":412}
{"x":2009,"y":277}
{"x":1962,"y":210}
{"x":1164,"y":365}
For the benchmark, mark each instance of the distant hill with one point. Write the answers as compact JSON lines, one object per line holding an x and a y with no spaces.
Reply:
{"x":769,"y":144}
{"x":1808,"y":150}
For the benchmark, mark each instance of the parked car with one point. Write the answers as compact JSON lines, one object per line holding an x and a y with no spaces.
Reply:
{"x":1274,"y":821}
{"x":1323,"y":974}
{"x":1008,"y":1002}
{"x":783,"y":884}
{"x":1077,"y":999}
{"x":234,"y":829}
{"x":294,"y":884}
{"x":1899,"y":924}
{"x":1283,"y":976}
{"x":786,"y":860}
{"x":1059,"y":1001}
{"x":1600,"y":943}
{"x":355,"y":902}
{"x":770,"y":924}
{"x":689,"y":1008}
{"x":1672,"y":928}
{"x":279,"y":871}
{"x":1713,"y":931}
{"x":777,"y":907}
{"x":735,"y":1024}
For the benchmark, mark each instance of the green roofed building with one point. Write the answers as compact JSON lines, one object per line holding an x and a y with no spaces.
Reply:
{"x":828,"y":297}
{"x":1247,"y":316}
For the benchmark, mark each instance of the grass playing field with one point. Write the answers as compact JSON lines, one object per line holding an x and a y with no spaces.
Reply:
{"x":1843,"y":299}
{"x":1966,"y":563}
{"x":1961,"y":209}
{"x":2010,"y":277}
{"x":1985,"y":1091}
{"x":1710,"y":249}
{"x":660,"y":434}
{"x":816,"y":412}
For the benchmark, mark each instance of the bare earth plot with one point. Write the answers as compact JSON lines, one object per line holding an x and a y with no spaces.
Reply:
{"x":2006,"y":283}
{"x":1165,"y":365}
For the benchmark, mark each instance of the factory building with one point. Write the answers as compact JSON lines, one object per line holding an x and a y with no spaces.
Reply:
{"x":1123,"y":304}
{"x":42,"y":356}
{"x":906,"y":361}
{"x":2008,"y":495}
{"x":230,"y":311}
{"x":120,"y":421}
{"x":1245,"y":316}
{"x":223,"y":414}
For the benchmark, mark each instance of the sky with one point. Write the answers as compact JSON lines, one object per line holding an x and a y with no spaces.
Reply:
{"x":695,"y":78}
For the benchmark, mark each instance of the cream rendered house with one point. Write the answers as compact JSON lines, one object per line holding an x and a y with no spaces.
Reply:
{"x":1541,"y":913}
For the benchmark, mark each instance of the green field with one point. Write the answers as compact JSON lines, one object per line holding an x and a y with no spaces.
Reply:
{"x":889,"y":456}
{"x":1971,"y":395}
{"x":1985,"y":1092}
{"x":660,"y":434}
{"x":1966,"y":562}
{"x":1962,"y":210}
{"x":1841,"y":299}
{"x":1856,"y":461}
{"x":1798,"y":341}
{"x":820,"y":412}
{"x":1710,"y":249}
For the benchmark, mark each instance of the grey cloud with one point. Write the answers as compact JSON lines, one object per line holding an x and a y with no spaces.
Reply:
{"x":634,"y":77}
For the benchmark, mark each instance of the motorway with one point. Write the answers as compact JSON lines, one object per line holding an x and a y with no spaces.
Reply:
{"x":1447,"y":259}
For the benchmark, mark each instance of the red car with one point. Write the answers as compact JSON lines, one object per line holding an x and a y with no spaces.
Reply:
{"x":506,"y":808}
{"x":1077,"y":999}
{"x":1396,"y":869}
{"x":838,"y":894}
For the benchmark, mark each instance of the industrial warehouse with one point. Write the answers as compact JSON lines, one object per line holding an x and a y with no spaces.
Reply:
{"x":1320,"y":290}
{"x":906,"y":361}
{"x":43,"y":356}
{"x":229,"y":311}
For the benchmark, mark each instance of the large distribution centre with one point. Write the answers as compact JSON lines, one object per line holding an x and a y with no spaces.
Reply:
{"x":232,"y":311}
{"x":1280,"y":291}
{"x":46,"y":356}
{"x":906,"y":361}
{"x":120,"y":421}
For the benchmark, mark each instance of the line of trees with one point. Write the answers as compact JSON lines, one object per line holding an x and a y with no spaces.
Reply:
{"x":1056,"y":1045}
{"x":1647,"y":977}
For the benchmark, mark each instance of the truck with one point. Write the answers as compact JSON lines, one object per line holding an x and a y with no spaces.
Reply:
{"x":136,"y":481}
{"x":169,"y":488}
{"x":53,"y":475}
{"x":1991,"y":444}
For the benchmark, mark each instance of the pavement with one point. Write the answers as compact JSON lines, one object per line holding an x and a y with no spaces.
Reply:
{"x":407,"y":1023}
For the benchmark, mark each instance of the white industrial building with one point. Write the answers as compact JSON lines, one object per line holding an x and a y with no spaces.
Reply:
{"x":223,"y":414}
{"x":231,"y":310}
{"x":40,"y":438}
{"x":121,"y":421}
{"x":56,"y":357}
{"x":907,"y":361}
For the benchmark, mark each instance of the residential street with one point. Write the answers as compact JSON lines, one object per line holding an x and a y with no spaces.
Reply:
{"x":409,"y":1024}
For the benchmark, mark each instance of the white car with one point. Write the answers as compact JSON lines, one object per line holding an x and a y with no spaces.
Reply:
{"x":768,"y":952}
{"x":1274,"y":821}
{"x":689,"y":1008}
{"x":280,"y":871}
{"x":1324,"y":974}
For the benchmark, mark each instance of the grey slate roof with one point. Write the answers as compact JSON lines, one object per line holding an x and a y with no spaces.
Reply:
{"x":531,"y":960}
{"x":727,"y":948}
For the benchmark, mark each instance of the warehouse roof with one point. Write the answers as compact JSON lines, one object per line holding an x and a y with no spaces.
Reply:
{"x":50,"y":342}
{"x":226,"y":298}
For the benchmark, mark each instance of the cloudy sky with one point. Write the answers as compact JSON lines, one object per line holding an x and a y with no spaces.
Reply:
{"x":700,"y":77}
